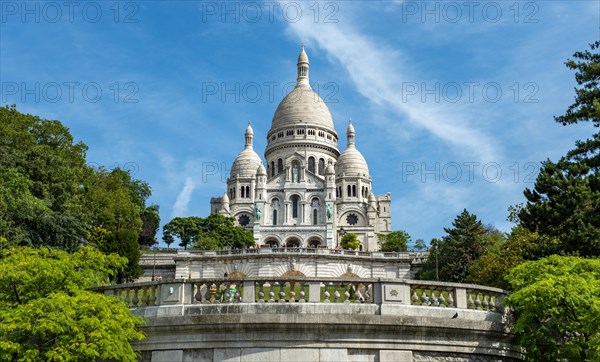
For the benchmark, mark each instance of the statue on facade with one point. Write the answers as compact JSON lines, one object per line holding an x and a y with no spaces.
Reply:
{"x":329,"y":212}
{"x":257,"y":213}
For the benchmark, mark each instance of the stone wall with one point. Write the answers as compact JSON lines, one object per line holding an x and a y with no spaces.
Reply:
{"x":268,"y":262}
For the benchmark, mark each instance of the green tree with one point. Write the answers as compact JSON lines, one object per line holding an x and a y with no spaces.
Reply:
{"x":41,"y":161}
{"x":350,"y":241}
{"x":49,"y":196}
{"x":456,"y":252}
{"x":214,"y":231}
{"x":565,"y":200}
{"x":150,"y":224}
{"x":502,"y":256}
{"x":556,"y":308}
{"x":420,"y":245}
{"x":396,"y":241}
{"x":186,"y":229}
{"x":48,"y":315}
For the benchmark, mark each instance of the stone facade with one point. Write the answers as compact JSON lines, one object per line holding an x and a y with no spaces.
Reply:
{"x":310,"y":194}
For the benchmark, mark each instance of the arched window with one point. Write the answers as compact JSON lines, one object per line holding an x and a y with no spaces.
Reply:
{"x":272,"y":168}
{"x":274,"y":217}
{"x":311,"y":164}
{"x":279,"y":166}
{"x":349,"y":191}
{"x":242,"y":192}
{"x":353,"y":190}
{"x":315,"y":216}
{"x":295,"y":200}
{"x":247,"y":192}
{"x":321,"y":166}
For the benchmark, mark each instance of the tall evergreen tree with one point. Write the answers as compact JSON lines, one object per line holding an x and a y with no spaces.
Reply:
{"x":565,"y":200}
{"x":463,"y":244}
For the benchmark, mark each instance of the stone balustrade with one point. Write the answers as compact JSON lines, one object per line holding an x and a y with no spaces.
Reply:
{"x":307,"y":318}
{"x":410,"y":256}
{"x":416,"y":293}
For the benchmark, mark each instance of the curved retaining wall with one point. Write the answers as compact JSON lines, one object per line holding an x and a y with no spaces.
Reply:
{"x":325,"y":319}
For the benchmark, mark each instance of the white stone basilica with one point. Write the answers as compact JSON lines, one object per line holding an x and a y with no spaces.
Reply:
{"x":309,"y":195}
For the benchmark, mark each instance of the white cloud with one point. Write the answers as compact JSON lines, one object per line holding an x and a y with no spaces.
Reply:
{"x":183,"y":199}
{"x":378,"y":72}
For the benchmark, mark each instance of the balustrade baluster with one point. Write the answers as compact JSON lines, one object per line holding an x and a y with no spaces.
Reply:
{"x":152,"y":298}
{"x":336,"y":293}
{"x":441,"y":300}
{"x":477,"y":302}
{"x":198,"y":295}
{"x":271,"y":293}
{"x":281,"y":293}
{"x":136,"y":299}
{"x":414,"y":298}
{"x":127,"y":298}
{"x":302,"y":293}
{"x":450,"y":298}
{"x":145,"y":296}
{"x":485,"y":305}
{"x":326,"y":294}
{"x":424,"y":297}
{"x":293,"y":291}
{"x":492,"y":304}
{"x":261,"y":292}
{"x":347,"y":293}
{"x":470,"y":303}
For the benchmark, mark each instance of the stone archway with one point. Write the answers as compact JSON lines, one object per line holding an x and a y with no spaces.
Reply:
{"x":293,"y":242}
{"x":314,"y":243}
{"x":272,"y":243}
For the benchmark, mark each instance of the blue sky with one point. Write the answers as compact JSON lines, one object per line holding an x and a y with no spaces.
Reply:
{"x":452,"y":102}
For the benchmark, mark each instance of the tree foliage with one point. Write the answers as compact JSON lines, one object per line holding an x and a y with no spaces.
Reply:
{"x":458,"y":250}
{"x":503,"y":255}
{"x":396,"y":241}
{"x":49,"y":196}
{"x":556,"y":308}
{"x":150,"y":224}
{"x":47,"y":315}
{"x":565,"y":200}
{"x":214,"y":232}
{"x":350,"y":241}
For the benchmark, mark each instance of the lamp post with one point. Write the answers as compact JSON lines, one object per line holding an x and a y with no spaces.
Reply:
{"x":437,"y":276}
{"x":154,"y":262}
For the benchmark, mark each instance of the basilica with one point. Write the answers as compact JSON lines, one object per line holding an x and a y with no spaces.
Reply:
{"x":309,"y":194}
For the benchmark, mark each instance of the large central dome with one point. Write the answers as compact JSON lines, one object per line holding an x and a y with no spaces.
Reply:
{"x":302,"y":119}
{"x":302,"y":106}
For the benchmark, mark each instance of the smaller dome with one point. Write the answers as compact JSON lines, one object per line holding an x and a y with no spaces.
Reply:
{"x":225,"y":198}
{"x":351,"y":162}
{"x":330,"y":170}
{"x":246,"y":163}
{"x":261,"y":170}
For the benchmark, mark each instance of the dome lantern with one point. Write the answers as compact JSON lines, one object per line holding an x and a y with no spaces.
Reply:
{"x":303,"y":69}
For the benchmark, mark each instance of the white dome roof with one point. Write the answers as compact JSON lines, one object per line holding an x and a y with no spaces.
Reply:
{"x":351,"y":162}
{"x":246,"y":163}
{"x":302,"y":105}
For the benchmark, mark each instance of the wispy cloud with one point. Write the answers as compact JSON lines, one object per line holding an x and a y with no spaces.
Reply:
{"x":183,"y":199}
{"x":378,"y":72}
